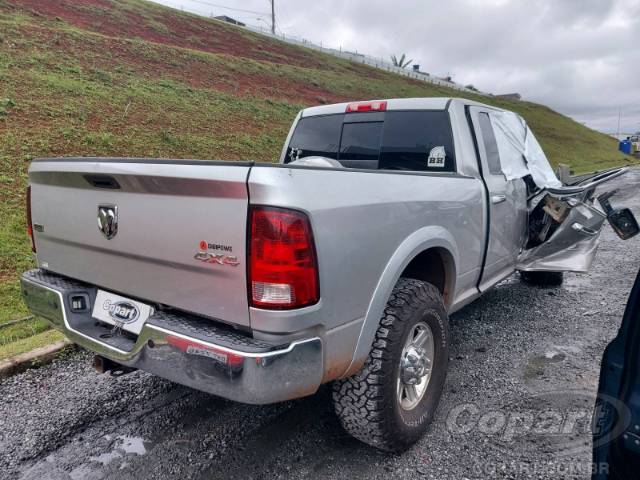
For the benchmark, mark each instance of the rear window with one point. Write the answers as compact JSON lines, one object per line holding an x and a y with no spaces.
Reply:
{"x":360,"y":144}
{"x":393,"y":140}
{"x":316,"y":136}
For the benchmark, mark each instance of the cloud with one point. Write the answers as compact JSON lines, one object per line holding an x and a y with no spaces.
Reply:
{"x":580,"y":57}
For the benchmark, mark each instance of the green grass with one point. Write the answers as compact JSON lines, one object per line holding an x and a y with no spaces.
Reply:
{"x":30,"y":343}
{"x":23,"y":329}
{"x":73,"y":88}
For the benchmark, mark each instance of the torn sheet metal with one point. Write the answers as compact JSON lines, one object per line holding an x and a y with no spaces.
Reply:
{"x":520,"y":152}
{"x":577,"y":258}
{"x":573,"y":244}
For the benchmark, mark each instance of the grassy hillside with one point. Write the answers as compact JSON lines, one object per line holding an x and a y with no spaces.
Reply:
{"x":128,"y":77}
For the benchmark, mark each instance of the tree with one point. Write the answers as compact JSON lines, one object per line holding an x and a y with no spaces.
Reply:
{"x":400,"y":62}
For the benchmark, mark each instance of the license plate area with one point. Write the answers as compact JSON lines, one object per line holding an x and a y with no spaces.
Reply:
{"x":122,"y":312}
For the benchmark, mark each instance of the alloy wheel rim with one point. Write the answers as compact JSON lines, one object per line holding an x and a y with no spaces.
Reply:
{"x":416,"y":362}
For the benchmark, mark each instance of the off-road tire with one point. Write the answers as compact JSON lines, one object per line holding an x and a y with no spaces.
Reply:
{"x":367,"y":403}
{"x":542,"y":279}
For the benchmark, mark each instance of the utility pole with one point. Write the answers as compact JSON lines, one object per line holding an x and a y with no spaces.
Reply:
{"x":273,"y":17}
{"x":618,"y":131}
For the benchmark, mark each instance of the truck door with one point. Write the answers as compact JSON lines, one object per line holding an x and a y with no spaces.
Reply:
{"x":507,"y":204}
{"x":616,"y":419}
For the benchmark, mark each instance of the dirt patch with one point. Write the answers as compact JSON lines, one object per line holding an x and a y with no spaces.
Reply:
{"x":221,"y":72}
{"x":171,"y":27}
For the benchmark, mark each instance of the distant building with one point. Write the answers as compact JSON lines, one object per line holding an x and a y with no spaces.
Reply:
{"x":509,"y":96}
{"x":416,"y":69}
{"x":224,"y":18}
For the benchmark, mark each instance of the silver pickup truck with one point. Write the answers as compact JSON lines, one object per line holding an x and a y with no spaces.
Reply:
{"x":260,"y":282}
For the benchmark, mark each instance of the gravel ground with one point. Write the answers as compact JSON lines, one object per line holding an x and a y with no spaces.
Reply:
{"x":523,"y":373}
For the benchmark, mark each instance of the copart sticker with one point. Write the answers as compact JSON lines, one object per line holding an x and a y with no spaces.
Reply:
{"x":121,"y":312}
{"x":436,"y":157}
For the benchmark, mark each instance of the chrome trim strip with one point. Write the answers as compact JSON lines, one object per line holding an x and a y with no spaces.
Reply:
{"x":240,"y":353}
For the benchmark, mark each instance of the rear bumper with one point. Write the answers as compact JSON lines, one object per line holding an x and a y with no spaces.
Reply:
{"x":188,"y":350}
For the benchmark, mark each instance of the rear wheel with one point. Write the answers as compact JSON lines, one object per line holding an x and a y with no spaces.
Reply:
{"x":391,"y":401}
{"x":542,"y":279}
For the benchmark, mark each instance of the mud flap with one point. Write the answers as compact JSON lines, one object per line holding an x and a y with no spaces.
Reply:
{"x":571,"y":247}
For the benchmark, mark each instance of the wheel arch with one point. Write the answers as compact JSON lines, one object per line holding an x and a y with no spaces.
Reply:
{"x":429,"y":254}
{"x":436,"y":266}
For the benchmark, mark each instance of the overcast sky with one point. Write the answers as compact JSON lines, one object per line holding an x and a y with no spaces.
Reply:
{"x":580,"y":57}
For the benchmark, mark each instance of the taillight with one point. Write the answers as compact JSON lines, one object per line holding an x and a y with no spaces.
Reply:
{"x":366,"y":106}
{"x":29,"y":222}
{"x":283,"y":268}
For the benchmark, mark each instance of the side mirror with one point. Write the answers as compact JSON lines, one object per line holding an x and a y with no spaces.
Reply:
{"x":624,"y":223}
{"x":622,"y":220}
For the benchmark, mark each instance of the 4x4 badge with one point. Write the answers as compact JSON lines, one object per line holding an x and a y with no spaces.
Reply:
{"x":217,"y":258}
{"x":108,"y":220}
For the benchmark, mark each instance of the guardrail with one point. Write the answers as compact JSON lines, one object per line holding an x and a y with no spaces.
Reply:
{"x":365,"y":59}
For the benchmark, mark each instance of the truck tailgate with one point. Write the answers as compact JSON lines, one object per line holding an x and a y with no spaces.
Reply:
{"x":171,"y":232}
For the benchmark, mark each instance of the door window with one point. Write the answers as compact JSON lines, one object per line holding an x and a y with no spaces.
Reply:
{"x":490,"y":144}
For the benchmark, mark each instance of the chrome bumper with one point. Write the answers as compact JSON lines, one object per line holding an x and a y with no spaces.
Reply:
{"x":188,"y":350}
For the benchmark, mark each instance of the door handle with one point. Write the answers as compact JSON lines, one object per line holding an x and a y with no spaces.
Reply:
{"x":498,"y":198}
{"x":578,"y":227}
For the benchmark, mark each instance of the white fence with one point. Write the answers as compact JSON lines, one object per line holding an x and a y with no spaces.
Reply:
{"x":366,"y":59}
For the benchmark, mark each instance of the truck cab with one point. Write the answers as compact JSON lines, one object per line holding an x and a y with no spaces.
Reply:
{"x":524,"y":201}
